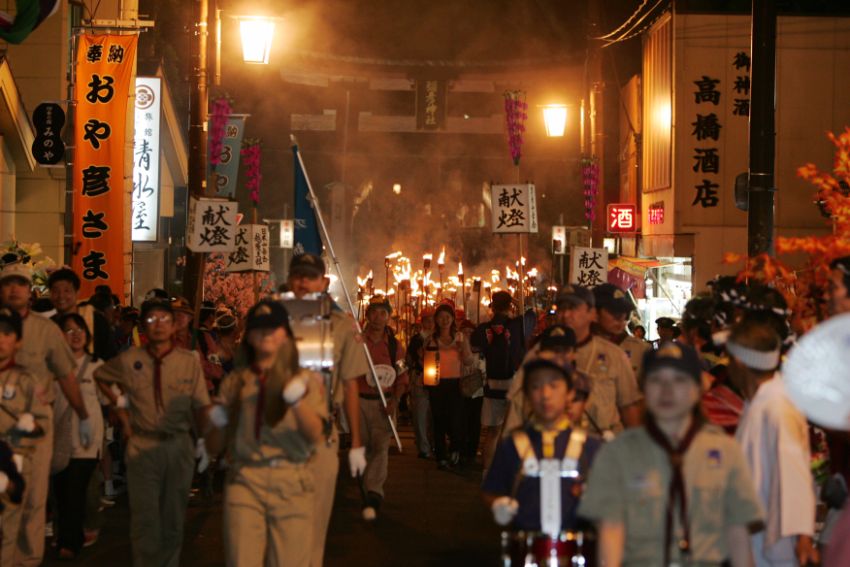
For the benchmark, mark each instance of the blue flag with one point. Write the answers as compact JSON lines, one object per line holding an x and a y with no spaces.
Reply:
{"x":228,"y":166}
{"x":307,"y":237}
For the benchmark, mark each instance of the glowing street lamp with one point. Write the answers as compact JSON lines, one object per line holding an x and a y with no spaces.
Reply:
{"x":555,"y":118}
{"x":257,"y":33}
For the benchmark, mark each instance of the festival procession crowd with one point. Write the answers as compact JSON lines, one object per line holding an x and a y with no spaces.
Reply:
{"x":597,"y":446}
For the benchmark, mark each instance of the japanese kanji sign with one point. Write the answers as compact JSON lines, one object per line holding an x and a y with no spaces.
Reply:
{"x":514,"y":208}
{"x":588,"y":266}
{"x":104,"y":69}
{"x":227,"y":170}
{"x":559,"y":240}
{"x":622,"y":217}
{"x":706,"y":131}
{"x":47,"y":147}
{"x":251,"y":252}
{"x":145,"y":215}
{"x":211,"y":225}
{"x":287,"y":234}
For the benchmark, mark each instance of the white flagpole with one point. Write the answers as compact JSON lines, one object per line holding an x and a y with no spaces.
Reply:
{"x":314,"y":202}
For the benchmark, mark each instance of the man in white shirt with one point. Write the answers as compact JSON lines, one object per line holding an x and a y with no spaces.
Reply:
{"x":774,"y":437}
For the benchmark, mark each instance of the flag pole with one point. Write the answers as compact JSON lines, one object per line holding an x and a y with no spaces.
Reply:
{"x":314,"y":202}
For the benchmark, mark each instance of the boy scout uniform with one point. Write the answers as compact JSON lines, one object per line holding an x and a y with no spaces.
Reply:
{"x":45,"y":354}
{"x":19,"y":396}
{"x":629,"y":484}
{"x":612,"y":384}
{"x":160,"y":452}
{"x":269,"y":496}
{"x":349,"y":363}
{"x":634,"y":349}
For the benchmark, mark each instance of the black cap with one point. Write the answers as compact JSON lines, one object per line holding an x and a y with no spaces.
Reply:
{"x":155,"y":305}
{"x":10,"y":322}
{"x":674,"y":355}
{"x":308,"y":265}
{"x":267,"y":314}
{"x":665,"y":323}
{"x":543,"y":362}
{"x":611,"y":298}
{"x":574,"y":295}
{"x":157,"y":293}
{"x":557,"y":336}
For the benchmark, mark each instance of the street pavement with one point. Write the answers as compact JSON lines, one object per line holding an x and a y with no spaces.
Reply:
{"x":429,"y":518}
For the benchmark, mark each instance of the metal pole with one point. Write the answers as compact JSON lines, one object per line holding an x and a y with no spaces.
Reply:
{"x":335,"y":261}
{"x":760,"y":212}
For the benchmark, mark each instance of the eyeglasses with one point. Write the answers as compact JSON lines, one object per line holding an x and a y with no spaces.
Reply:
{"x":161,"y":318}
{"x":72,"y":332}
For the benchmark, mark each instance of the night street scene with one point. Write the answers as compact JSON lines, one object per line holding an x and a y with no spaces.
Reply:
{"x":344,"y":283}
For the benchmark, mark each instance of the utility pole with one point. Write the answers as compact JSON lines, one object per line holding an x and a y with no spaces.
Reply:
{"x":198,"y":104}
{"x":760,"y":213}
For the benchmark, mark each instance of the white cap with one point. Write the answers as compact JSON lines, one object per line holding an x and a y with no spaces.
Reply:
{"x":16,"y":270}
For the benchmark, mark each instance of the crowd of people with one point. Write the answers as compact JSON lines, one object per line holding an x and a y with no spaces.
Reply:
{"x":682,"y":451}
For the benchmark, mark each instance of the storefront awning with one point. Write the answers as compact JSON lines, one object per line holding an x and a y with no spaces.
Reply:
{"x":629,"y":273}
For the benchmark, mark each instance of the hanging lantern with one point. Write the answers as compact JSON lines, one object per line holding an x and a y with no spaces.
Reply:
{"x":431,"y":376}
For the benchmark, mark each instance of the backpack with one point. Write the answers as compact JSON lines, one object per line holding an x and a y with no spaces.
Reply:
{"x":497,"y":352}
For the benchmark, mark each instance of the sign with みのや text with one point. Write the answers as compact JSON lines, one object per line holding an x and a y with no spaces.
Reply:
{"x":145,"y":215}
{"x":211,"y":225}
{"x":251,"y":249}
{"x":514,"y":208}
{"x":588,"y":266}
{"x":104,"y":69}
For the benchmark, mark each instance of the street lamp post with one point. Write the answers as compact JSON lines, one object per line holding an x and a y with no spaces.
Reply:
{"x":555,"y":119}
{"x":257,"y":38}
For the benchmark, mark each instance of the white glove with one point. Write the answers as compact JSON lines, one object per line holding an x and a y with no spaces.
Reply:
{"x":85,"y":432}
{"x":504,"y":509}
{"x":295,"y":390}
{"x":218,"y":416}
{"x":26,"y":423}
{"x":202,"y":455}
{"x":4,"y":482}
{"x":357,"y":461}
{"x":19,"y":462}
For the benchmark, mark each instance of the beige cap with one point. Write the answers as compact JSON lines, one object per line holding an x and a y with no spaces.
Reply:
{"x":16,"y":270}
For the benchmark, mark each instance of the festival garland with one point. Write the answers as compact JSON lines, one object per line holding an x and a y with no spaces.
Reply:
{"x":251,"y":153}
{"x":221,"y":110}
{"x":590,"y":182}
{"x":516,"y":113}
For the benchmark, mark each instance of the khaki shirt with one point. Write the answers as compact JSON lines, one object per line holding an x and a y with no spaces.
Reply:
{"x":612,"y":384}
{"x":19,"y":396}
{"x":635,"y":349}
{"x":45,"y":353}
{"x":349,"y":359}
{"x":183,"y":389}
{"x":279,"y":434}
{"x":629,"y":484}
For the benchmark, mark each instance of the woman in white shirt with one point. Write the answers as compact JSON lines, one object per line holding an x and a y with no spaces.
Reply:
{"x":70,"y":484}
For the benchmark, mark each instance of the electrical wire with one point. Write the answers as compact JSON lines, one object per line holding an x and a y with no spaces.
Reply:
{"x":624,"y":24}
{"x":634,"y":31}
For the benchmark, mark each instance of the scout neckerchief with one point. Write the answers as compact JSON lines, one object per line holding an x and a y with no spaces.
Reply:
{"x":676,"y":492}
{"x":549,"y":435}
{"x":261,"y":399}
{"x":157,"y":374}
{"x":8,"y":365}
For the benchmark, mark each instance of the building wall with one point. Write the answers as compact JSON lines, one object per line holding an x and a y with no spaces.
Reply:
{"x":813,"y":97}
{"x":7,"y":192}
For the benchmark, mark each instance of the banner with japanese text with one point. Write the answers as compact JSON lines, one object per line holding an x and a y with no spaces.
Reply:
{"x":588,"y":266}
{"x":211,"y":225}
{"x":104,"y":72}
{"x":227,"y":170}
{"x":252,"y":249}
{"x":514,"y":208}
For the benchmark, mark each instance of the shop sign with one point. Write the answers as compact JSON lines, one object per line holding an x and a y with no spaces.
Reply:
{"x":145,"y":215}
{"x":622,"y":217}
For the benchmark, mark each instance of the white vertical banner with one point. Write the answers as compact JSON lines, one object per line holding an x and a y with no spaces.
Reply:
{"x":251,"y":249}
{"x":211,"y":225}
{"x":287,"y":234}
{"x":588,"y":266}
{"x":514,"y":209}
{"x":559,"y":240}
{"x":145,"y":216}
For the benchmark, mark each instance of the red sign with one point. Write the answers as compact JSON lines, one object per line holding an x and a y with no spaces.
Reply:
{"x":656,"y":213}
{"x":622,"y":218}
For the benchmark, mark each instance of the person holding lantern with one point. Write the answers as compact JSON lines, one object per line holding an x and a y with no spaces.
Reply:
{"x":449,"y":351}
{"x":388,"y":356}
{"x":418,"y":393}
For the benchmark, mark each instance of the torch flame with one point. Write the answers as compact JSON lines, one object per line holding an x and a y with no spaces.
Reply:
{"x":460,"y":269}
{"x":441,"y":261}
{"x":393,"y":256}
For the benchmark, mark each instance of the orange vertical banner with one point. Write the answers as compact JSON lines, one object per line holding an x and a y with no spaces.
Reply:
{"x":104,"y":71}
